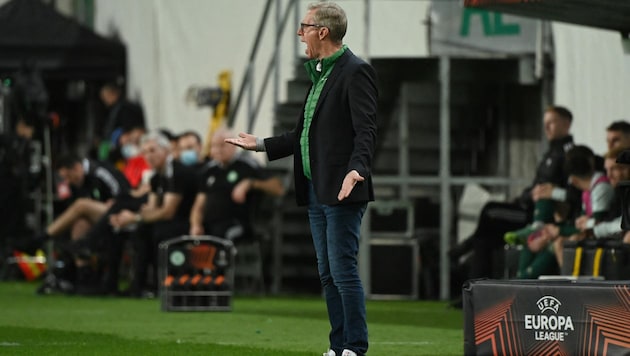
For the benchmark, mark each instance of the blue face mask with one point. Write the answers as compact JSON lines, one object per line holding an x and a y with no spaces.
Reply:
{"x":188,"y":157}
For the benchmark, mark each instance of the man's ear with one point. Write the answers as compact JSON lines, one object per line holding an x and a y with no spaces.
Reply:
{"x":323,"y":32}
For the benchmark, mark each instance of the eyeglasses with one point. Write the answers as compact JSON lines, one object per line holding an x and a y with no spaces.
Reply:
{"x":303,"y":26}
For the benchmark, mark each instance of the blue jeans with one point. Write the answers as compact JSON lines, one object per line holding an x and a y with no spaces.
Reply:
{"x":336,"y":231}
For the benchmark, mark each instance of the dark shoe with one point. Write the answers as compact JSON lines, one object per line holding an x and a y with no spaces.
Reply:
{"x":52,"y":284}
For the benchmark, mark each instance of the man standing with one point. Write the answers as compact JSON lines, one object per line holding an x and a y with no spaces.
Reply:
{"x":332,"y":146}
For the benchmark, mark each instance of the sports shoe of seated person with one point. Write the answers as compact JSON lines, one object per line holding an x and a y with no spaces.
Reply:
{"x":543,"y":212}
{"x":520,"y":237}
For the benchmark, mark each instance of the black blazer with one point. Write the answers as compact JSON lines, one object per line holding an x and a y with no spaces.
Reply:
{"x":342,"y":135}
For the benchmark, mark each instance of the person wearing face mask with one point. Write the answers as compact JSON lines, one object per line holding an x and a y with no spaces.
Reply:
{"x":157,"y":216}
{"x":189,"y":147}
{"x":134,"y":167}
{"x":123,"y":115}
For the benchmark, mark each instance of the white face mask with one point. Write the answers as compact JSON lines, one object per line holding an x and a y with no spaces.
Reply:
{"x":129,"y":150}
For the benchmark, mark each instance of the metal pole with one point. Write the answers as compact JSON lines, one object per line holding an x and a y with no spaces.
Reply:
{"x":403,"y":140}
{"x":276,"y":57}
{"x":246,"y":79}
{"x":250,"y":98}
{"x":273,"y":63}
{"x":504,"y":143}
{"x":445,"y":177}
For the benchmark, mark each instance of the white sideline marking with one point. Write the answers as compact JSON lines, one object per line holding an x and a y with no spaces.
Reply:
{"x":6,"y":343}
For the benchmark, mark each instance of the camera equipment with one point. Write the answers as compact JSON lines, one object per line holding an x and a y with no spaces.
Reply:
{"x":204,"y":96}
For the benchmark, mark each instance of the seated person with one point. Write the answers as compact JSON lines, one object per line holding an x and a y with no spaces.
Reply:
{"x":189,"y":146}
{"x":597,"y":195}
{"x":618,"y":134}
{"x":537,"y":257}
{"x":610,"y":225}
{"x":133,"y":165}
{"x":94,"y":185}
{"x":164,"y":216}
{"x":543,"y":214}
{"x":103,"y":229}
{"x":497,"y":218}
{"x":226,"y":184}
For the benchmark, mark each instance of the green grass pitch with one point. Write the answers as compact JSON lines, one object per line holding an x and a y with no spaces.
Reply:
{"x":76,"y":325}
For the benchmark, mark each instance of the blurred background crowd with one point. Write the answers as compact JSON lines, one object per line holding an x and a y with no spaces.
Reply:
{"x":501,"y":137}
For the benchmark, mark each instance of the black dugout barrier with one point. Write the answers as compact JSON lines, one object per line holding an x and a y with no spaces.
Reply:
{"x":546,"y":317}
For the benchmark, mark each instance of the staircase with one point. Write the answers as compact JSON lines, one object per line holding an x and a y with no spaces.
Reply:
{"x":295,"y":270}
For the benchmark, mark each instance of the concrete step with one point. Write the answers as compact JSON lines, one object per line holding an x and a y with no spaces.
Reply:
{"x":431,"y":142}
{"x":423,"y":163}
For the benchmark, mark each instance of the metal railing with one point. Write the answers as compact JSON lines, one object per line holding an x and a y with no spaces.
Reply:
{"x":273,"y":65}
{"x":444,"y":180}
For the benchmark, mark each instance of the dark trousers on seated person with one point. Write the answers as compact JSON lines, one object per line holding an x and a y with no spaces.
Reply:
{"x":145,"y":244}
{"x":494,"y":221}
{"x":533,"y":265}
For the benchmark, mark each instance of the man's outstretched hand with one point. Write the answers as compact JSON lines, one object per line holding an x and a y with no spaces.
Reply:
{"x":243,"y":140}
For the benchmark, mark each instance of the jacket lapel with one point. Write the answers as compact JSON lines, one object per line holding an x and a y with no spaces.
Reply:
{"x":331,"y":80}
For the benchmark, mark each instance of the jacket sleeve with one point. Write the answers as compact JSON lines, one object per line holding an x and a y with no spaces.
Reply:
{"x":280,"y":146}
{"x":362,"y":98}
{"x":110,"y":187}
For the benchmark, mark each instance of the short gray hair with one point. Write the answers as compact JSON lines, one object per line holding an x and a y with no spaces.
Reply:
{"x":158,"y":138}
{"x":330,"y":15}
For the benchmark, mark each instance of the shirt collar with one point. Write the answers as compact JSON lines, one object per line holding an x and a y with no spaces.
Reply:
{"x":323,"y":64}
